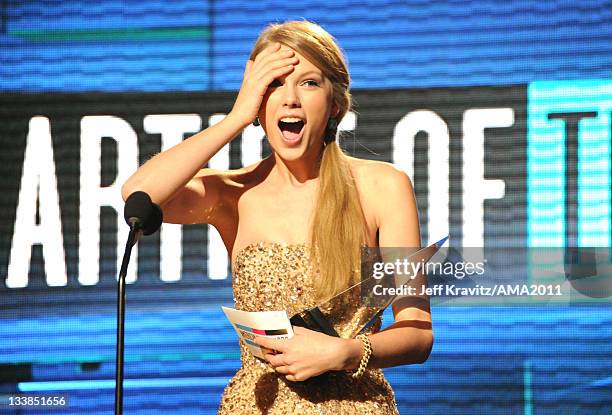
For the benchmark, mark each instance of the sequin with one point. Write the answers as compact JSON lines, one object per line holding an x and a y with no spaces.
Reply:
{"x":274,"y":276}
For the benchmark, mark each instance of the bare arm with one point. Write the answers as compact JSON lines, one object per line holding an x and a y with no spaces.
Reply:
{"x":169,"y":171}
{"x":174,"y":178}
{"x":409,"y":339}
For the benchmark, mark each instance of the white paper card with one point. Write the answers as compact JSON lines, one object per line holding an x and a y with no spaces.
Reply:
{"x":251,"y":324}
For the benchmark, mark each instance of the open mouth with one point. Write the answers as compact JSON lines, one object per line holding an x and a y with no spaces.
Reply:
{"x":291,"y":129}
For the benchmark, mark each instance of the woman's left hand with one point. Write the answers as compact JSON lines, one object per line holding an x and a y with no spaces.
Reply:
{"x":308,"y":353}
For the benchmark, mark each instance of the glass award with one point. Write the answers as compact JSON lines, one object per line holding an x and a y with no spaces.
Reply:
{"x":382,"y":283}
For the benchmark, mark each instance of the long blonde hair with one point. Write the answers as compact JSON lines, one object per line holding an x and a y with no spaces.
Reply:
{"x":338,"y":225}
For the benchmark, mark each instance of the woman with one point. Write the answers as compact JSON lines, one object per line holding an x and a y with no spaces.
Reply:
{"x":293,"y":224}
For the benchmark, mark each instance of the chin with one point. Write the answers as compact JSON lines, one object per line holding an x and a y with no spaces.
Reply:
{"x":289,"y":153}
{"x":290,"y":150}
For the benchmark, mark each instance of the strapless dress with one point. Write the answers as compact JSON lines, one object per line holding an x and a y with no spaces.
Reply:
{"x":274,"y":276}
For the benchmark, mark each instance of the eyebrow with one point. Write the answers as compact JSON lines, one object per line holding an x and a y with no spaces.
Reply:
{"x":305,"y":74}
{"x":311,"y":72}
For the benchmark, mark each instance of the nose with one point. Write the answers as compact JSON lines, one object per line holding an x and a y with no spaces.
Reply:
{"x":291,"y":98}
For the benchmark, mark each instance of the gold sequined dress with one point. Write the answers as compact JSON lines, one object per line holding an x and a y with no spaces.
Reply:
{"x":274,"y":276}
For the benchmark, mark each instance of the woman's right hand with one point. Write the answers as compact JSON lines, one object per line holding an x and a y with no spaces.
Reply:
{"x":269,"y":64}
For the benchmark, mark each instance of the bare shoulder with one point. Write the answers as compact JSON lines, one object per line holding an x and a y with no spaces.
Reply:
{"x":209,"y":197}
{"x":231,"y":178}
{"x":385,"y":190}
{"x":378,"y":176}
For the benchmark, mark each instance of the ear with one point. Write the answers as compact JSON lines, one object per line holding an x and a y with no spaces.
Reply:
{"x":335,"y":110}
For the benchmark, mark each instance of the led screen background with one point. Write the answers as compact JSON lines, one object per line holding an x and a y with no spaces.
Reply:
{"x":126,"y":77}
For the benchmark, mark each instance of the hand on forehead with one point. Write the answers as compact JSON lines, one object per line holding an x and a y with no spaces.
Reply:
{"x":304,"y":64}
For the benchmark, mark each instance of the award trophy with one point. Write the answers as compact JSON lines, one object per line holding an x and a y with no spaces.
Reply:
{"x":364,"y":291}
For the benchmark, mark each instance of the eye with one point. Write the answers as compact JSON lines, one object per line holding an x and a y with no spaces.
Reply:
{"x":311,"y":82}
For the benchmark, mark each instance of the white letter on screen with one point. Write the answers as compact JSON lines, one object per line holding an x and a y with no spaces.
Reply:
{"x":251,"y":144}
{"x":348,"y":123}
{"x":217,"y":254}
{"x":38,"y":181}
{"x":171,"y":127}
{"x":475,"y":188}
{"x":437,"y":167}
{"x":94,"y":196}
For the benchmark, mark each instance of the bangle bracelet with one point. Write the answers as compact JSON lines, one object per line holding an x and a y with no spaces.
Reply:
{"x":367,"y":352}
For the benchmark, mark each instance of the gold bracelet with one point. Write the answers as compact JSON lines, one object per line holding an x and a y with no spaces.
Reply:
{"x":367,"y":352}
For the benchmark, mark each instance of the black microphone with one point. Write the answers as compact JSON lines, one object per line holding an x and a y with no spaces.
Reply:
{"x":141,"y":213}
{"x":144,"y":217}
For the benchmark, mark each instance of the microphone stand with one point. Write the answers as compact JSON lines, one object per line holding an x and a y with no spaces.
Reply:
{"x":133,"y":237}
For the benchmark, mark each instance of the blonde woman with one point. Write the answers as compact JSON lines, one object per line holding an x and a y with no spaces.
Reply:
{"x":293,"y":224}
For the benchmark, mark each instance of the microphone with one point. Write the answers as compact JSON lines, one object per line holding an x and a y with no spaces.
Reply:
{"x":142,"y":214}
{"x":144,"y":217}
